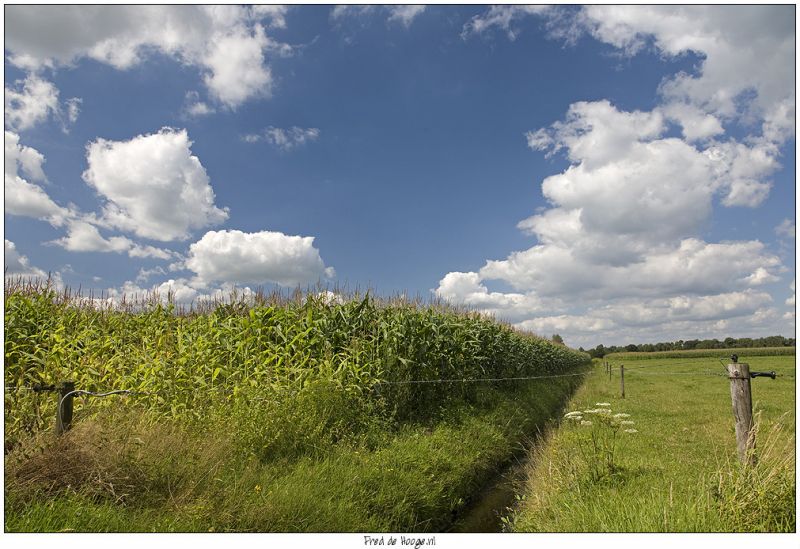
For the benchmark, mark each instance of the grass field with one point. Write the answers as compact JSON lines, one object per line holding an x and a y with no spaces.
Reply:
{"x":678,"y":472}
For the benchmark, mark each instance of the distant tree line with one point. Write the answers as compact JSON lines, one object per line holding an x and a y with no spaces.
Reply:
{"x":681,"y":345}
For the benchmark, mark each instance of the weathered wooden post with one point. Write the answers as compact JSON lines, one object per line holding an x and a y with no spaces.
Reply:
{"x":622,"y":378}
{"x":64,"y":406}
{"x":739,"y":374}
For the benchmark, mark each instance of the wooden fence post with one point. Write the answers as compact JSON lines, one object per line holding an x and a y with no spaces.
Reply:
{"x":622,"y":378}
{"x":64,"y":406}
{"x":739,"y":374}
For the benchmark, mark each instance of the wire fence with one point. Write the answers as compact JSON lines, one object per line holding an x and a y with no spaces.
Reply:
{"x":629,"y":369}
{"x":636,"y":371}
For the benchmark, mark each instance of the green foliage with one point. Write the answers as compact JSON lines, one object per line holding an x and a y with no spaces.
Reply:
{"x":730,"y":344}
{"x":743,"y":353}
{"x":293,"y":354}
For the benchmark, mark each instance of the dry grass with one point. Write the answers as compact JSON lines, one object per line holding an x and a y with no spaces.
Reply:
{"x":760,"y":497}
{"x":116,"y":458}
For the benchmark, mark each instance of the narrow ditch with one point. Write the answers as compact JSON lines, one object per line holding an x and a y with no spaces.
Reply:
{"x":494,"y":502}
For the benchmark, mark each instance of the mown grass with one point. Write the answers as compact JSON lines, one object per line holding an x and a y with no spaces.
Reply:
{"x":679,"y":472}
{"x":265,"y":414}
{"x":742,"y":353}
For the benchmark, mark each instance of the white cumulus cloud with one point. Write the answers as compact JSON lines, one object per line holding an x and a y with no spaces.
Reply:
{"x":17,"y":264}
{"x":620,"y":241}
{"x":739,"y":54}
{"x":256,"y":258}
{"x":21,"y":196}
{"x":153,"y":185}
{"x":744,"y":53}
{"x":467,"y":289}
{"x":227,"y":44}
{"x":84,"y":237}
{"x":31,"y":102}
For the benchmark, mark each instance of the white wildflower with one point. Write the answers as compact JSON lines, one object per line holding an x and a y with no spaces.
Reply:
{"x":586,"y":422}
{"x":620,"y":416}
{"x":573,"y":414}
{"x":626,"y":422}
{"x":602,"y":404}
{"x":631,"y":431}
{"x":604,"y":411}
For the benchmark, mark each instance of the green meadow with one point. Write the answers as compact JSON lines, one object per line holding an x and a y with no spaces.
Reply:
{"x":678,"y":471}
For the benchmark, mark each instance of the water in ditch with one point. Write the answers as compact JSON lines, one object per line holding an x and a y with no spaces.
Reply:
{"x":493,"y":503}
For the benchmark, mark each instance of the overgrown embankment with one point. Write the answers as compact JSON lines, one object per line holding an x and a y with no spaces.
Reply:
{"x":272,"y":415}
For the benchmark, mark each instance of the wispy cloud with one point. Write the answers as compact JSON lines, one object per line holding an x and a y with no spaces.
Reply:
{"x":284,"y":139}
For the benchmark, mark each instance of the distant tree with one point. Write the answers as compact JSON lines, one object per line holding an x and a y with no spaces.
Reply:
{"x":773,"y":341}
{"x":631,"y":348}
{"x":598,"y":352}
{"x":558,"y":339}
{"x":708,"y":344}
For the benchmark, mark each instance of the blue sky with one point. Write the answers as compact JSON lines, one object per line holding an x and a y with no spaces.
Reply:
{"x":612,"y":175}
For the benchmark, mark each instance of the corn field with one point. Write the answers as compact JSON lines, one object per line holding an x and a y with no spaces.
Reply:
{"x":706,"y":353}
{"x":260,"y":351}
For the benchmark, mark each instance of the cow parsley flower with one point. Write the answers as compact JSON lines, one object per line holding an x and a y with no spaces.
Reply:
{"x":631,"y":431}
{"x":620,"y":416}
{"x":586,"y":422}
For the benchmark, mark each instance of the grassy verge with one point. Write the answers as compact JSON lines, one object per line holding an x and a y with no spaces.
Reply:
{"x":678,"y":472}
{"x":121,"y":472}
